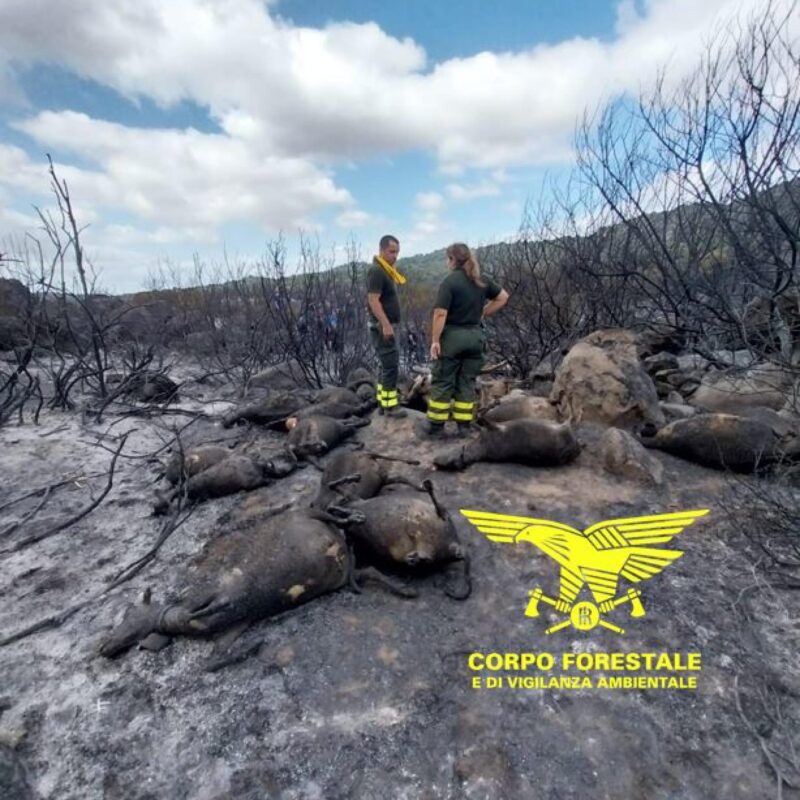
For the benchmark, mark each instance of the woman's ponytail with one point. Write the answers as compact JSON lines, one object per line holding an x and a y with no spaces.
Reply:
{"x":466,"y":261}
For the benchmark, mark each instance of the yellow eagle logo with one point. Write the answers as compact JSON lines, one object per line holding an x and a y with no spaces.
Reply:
{"x":596,"y":557}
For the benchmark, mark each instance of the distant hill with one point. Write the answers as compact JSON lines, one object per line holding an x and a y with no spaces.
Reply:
{"x":427,"y":270}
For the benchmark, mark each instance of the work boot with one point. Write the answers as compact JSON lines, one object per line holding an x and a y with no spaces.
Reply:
{"x":466,"y":429}
{"x":430,"y":428}
{"x":396,"y":412}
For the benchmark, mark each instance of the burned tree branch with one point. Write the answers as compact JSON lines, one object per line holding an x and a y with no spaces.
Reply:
{"x":77,"y":517}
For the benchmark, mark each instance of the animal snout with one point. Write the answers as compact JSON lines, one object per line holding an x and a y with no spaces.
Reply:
{"x":648,"y":430}
{"x":415,"y":557}
{"x":457,"y":550}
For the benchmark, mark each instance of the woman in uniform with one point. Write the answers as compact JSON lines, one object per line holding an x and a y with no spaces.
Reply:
{"x":463,"y":301}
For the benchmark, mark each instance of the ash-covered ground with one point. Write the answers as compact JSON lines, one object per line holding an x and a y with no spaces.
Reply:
{"x":369,"y":696}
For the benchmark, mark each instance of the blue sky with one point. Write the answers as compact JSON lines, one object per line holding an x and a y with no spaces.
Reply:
{"x":206,"y":126}
{"x":455,"y":30}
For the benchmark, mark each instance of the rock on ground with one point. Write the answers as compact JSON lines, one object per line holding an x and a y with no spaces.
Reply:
{"x":602,"y":380}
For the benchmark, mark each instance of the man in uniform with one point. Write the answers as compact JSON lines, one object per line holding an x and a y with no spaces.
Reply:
{"x":384,"y":308}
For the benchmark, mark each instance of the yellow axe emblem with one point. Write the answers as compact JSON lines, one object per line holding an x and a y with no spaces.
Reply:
{"x":596,"y":557}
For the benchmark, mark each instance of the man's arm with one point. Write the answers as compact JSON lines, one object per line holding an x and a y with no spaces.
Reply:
{"x":437,"y":326}
{"x":376,"y":307}
{"x":495,"y":305}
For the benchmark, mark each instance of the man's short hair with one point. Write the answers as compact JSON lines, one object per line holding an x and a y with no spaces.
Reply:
{"x":387,"y":240}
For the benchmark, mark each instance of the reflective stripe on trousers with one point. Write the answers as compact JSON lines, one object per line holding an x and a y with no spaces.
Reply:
{"x":463,"y":411}
{"x":387,"y":398}
{"x":438,"y":411}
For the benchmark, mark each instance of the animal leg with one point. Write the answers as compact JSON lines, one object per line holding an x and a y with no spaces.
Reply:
{"x":410,"y":461}
{"x":214,"y":606}
{"x":223,"y":654}
{"x":242,"y":654}
{"x":492,"y":404}
{"x":457,"y":583}
{"x":342,"y":516}
{"x":290,"y":454}
{"x":492,"y":426}
{"x":352,"y":581}
{"x":440,"y":509}
{"x":396,"y":587}
{"x":352,"y":423}
{"x":406,"y":481}
{"x":354,"y":478}
{"x":340,"y":510}
{"x":225,"y":641}
{"x":211,"y":607}
{"x":273,"y":511}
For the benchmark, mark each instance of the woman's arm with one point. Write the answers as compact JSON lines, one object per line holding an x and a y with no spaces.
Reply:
{"x":437,"y":326}
{"x":495,"y":305}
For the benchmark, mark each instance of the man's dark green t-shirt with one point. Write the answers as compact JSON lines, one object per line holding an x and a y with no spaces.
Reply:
{"x":378,"y":282}
{"x":464,"y":300}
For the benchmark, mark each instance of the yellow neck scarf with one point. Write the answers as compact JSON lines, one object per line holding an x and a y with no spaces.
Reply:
{"x":390,"y":270}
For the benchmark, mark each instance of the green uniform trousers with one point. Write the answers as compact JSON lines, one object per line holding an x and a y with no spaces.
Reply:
{"x":454,"y":374}
{"x":389,"y":357}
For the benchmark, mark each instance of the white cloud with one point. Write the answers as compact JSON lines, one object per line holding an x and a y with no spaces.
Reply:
{"x":351,"y":89}
{"x":124,"y":235}
{"x":14,"y":224}
{"x":353,"y":218}
{"x":627,"y":17}
{"x":428,"y":226}
{"x":176,"y":178}
{"x":431,"y":202}
{"x":457,"y":191}
{"x":18,"y":171}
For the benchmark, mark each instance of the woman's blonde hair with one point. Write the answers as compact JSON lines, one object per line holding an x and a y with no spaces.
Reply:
{"x":466,"y":261}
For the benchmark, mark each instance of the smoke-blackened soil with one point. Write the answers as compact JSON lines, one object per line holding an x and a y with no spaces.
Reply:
{"x":369,"y":696}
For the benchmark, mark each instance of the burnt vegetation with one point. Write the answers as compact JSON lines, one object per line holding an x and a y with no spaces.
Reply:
{"x":682,"y":216}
